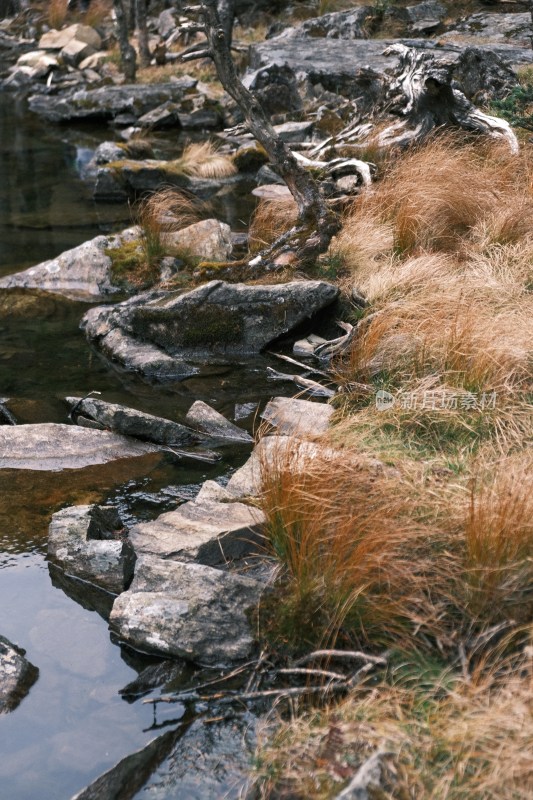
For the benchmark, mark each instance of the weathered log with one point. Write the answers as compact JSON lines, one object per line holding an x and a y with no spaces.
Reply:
{"x":421,"y":98}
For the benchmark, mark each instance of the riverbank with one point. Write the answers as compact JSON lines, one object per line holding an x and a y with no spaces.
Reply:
{"x":369,"y":567}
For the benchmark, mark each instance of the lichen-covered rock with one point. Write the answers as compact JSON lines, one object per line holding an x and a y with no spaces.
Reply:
{"x":207,"y":240}
{"x":290,"y":415}
{"x":17,"y":675}
{"x":353,"y":24}
{"x":109,"y":102}
{"x":89,"y":542}
{"x":187,"y":610}
{"x":217,"y":319}
{"x":57,"y":40}
{"x":205,"y":531}
{"x":84,"y":270}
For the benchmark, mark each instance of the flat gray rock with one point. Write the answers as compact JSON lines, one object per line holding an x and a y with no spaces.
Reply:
{"x":84,"y":270}
{"x":217,"y":319}
{"x":208,"y":531}
{"x":130,"y":422}
{"x":51,"y":446}
{"x":87,"y":542}
{"x":108,"y":102}
{"x":206,"y":419}
{"x":17,"y":675}
{"x":496,"y":28}
{"x":355,"y":68}
{"x":298,"y":417}
{"x":187,"y":610}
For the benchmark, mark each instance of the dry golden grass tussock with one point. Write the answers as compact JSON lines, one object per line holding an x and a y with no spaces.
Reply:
{"x":364,"y":242}
{"x":270,"y":219}
{"x":498,"y":533}
{"x":169,"y":210}
{"x":56,"y":13}
{"x":447,"y":328}
{"x":97,"y":12}
{"x":203,"y":160}
{"x":434,"y":195}
{"x":457,"y":740}
{"x":354,"y":561}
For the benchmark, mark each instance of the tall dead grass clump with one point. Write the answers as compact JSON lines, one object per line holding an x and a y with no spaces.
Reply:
{"x":270,"y":219}
{"x":435,"y":195}
{"x":499,"y":544}
{"x":352,"y":561}
{"x":448,"y":329}
{"x":203,"y":160}
{"x":165,"y":211}
{"x":98,"y":11}
{"x":56,"y":13}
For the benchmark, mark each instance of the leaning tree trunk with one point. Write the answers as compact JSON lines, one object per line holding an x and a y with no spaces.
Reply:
{"x":128,"y":57}
{"x":317,"y":223}
{"x":142,"y":32}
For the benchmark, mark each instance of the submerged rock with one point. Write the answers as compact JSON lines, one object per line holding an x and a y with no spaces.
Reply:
{"x":130,"y":422}
{"x":51,"y":446}
{"x":157,"y":334}
{"x":131,"y":772}
{"x":89,"y":543}
{"x":187,"y":610}
{"x":17,"y":675}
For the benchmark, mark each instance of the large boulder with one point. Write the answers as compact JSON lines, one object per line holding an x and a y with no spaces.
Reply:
{"x":109,"y":102}
{"x":156,"y":334}
{"x":187,"y":610}
{"x":207,"y":240}
{"x":89,"y":542}
{"x":358,"y":69}
{"x":58,"y":40}
{"x":17,"y":675}
{"x":51,"y":446}
{"x":84,"y":270}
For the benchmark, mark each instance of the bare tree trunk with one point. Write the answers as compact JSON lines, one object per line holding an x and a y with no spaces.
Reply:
{"x":317,"y":223}
{"x":127,"y":53}
{"x":142,"y":32}
{"x":226,"y":12}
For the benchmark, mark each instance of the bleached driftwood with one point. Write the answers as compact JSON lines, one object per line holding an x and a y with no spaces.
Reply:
{"x":423,"y":98}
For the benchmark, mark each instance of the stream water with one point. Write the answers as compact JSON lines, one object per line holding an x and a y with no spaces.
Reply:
{"x":74,"y":725}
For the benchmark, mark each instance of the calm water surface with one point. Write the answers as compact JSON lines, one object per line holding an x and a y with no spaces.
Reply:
{"x":73,"y":725}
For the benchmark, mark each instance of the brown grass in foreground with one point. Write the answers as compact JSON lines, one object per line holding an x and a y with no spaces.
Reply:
{"x":448,"y":738}
{"x":431,"y":554}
